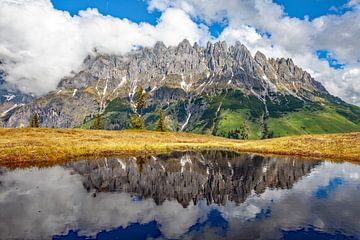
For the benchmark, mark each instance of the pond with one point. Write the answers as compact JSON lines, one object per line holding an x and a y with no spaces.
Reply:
{"x":192,"y":195}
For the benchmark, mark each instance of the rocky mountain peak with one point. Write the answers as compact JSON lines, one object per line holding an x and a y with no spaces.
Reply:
{"x":260,"y":58}
{"x":187,"y":70}
{"x":159,"y":47}
{"x":185,"y":46}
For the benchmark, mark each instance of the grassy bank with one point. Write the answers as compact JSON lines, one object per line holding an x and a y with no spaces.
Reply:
{"x":25,"y":147}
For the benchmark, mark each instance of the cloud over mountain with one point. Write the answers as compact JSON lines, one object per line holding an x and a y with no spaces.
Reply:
{"x":40,"y":44}
{"x":287,"y":36}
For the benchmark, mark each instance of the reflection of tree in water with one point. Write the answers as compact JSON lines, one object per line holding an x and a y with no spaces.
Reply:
{"x":140,"y":161}
{"x":216,"y":176}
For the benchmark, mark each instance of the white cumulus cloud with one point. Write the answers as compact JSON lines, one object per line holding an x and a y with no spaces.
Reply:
{"x":40,"y":44}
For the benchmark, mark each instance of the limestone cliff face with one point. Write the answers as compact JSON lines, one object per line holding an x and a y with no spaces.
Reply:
{"x":218,"y":177}
{"x":11,"y":98}
{"x":191,"y":70}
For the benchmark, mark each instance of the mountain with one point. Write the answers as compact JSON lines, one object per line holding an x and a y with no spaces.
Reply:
{"x":217,"y":89}
{"x":218,"y":176}
{"x":11,"y":98}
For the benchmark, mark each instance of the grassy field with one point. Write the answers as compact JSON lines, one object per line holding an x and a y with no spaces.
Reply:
{"x":305,"y":122}
{"x":42,"y":147}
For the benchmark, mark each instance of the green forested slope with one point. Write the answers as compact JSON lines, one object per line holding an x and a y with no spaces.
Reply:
{"x":230,"y":113}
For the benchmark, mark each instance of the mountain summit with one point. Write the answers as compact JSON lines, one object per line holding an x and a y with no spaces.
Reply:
{"x":217,"y":89}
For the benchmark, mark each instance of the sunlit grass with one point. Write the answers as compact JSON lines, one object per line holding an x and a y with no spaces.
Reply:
{"x":25,"y":147}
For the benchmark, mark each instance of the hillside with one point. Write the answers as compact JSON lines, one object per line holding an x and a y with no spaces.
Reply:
{"x":44,"y":147}
{"x":217,"y":89}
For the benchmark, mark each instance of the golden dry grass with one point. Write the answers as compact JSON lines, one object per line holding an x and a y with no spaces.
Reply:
{"x":26,"y":147}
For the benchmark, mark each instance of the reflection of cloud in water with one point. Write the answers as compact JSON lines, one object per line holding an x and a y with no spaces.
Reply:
{"x":43,"y":202}
{"x":298,"y":207}
{"x":40,"y":203}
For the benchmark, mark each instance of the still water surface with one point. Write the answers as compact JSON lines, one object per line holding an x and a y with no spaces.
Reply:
{"x":205,"y":195}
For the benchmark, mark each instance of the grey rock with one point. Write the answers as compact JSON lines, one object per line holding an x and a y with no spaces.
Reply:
{"x":192,"y":69}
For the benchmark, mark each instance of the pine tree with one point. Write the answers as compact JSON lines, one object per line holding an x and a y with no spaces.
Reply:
{"x":234,"y":134}
{"x":98,"y":123}
{"x":140,"y":162}
{"x":244,"y":131}
{"x":136,"y":122}
{"x":265,"y":133}
{"x":35,"y":121}
{"x":161,"y":125}
{"x":136,"y":119}
{"x":140,"y":99}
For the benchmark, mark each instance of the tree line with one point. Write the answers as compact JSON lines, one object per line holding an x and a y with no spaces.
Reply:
{"x":139,"y":102}
{"x":136,"y":119}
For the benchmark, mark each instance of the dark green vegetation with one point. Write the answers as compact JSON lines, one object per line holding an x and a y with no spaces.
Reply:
{"x":35,"y":121}
{"x":140,"y":100}
{"x":231,"y":113}
{"x":98,"y":123}
{"x":161,"y":125}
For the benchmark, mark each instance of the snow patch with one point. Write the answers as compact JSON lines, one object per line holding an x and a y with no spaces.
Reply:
{"x":123,"y":166}
{"x":131,"y":96}
{"x":9,"y":97}
{"x":162,"y":166}
{"x":75,"y":90}
{"x":106,"y":163}
{"x":123,"y":81}
{"x":261,"y":98}
{"x":10,"y":109}
{"x":270,"y":84}
{"x":184,"y":159}
{"x":163,"y":78}
{"x":185,"y":86}
{"x":218,"y":109}
{"x":105,"y":88}
{"x":229,"y":164}
{"x":186,"y":122}
{"x":153,"y":89}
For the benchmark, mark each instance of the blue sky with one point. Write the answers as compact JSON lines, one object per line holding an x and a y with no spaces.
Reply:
{"x":312,"y":8}
{"x":136,"y":10}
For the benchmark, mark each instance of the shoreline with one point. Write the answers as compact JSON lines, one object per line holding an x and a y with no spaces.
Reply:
{"x":28,"y":147}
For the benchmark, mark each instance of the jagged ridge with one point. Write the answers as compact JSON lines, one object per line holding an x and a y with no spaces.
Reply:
{"x":196,"y":85}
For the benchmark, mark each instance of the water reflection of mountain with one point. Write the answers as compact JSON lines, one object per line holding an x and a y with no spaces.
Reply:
{"x":215,"y":176}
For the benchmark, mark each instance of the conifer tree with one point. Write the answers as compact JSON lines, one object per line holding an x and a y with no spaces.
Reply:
{"x":98,"y":123}
{"x":140,"y":99}
{"x":244,"y":130}
{"x":161,"y":125}
{"x":265,"y":133}
{"x":35,"y":121}
{"x":136,"y":122}
{"x":136,"y":119}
